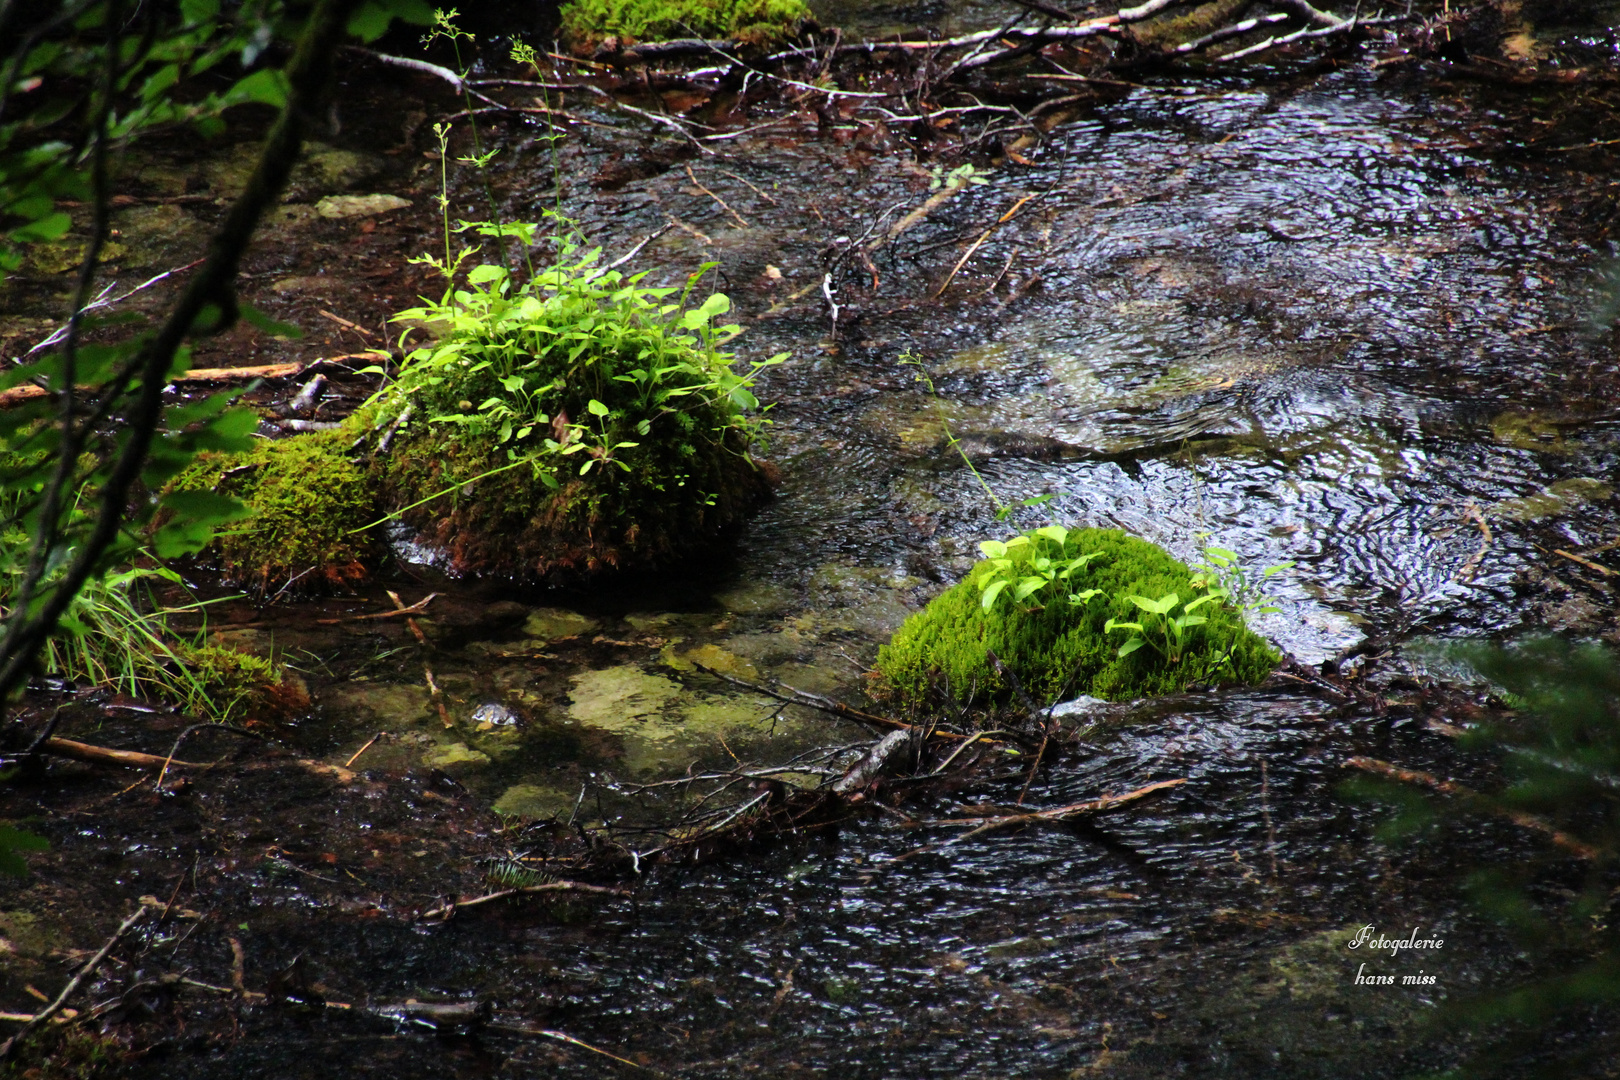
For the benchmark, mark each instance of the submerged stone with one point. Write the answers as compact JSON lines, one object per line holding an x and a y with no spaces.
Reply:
{"x":534,"y":801}
{"x":552,"y":624}
{"x":619,"y":698}
{"x":387,"y":704}
{"x":756,"y":598}
{"x":347,"y":206}
{"x":1553,"y":501}
{"x":710,"y":656}
{"x":453,"y":757}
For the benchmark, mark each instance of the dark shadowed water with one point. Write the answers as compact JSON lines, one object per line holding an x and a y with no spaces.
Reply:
{"x":1325,"y":322}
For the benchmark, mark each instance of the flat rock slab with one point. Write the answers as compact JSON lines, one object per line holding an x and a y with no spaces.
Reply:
{"x":347,"y":206}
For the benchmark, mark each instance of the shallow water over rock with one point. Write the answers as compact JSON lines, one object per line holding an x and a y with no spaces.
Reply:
{"x":1315,"y":323}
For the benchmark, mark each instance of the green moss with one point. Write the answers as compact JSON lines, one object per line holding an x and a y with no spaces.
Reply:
{"x":1060,"y":650}
{"x":70,"y":1052}
{"x":229,"y":685}
{"x":306,"y":496}
{"x":759,"y":22}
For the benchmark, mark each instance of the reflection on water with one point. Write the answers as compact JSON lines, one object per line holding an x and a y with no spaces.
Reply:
{"x":1305,"y":325}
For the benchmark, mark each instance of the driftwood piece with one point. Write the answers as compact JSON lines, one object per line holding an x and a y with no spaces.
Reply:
{"x":1476,"y":800}
{"x":1057,"y":813}
{"x":28,"y":392}
{"x":134,"y":759}
{"x":102,"y":755}
{"x":873,"y":764}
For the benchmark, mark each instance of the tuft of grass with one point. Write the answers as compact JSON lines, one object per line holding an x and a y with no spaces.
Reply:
{"x":755,"y":22}
{"x":227,"y":684}
{"x":308,"y":501}
{"x":1062,"y":649}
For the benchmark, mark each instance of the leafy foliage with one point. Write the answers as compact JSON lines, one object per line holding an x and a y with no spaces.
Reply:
{"x":574,"y":420}
{"x":759,"y":22}
{"x":1089,"y":579}
{"x":81,"y":76}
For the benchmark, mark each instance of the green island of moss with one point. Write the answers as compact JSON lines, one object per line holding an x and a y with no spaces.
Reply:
{"x":1061,"y":650}
{"x":307,"y":498}
{"x":756,"y":22}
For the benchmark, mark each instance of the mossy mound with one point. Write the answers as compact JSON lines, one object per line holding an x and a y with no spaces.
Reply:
{"x":229,"y":685}
{"x":1061,"y":650}
{"x":574,"y":424}
{"x":307,"y":496}
{"x":678,"y":499}
{"x":756,"y":22}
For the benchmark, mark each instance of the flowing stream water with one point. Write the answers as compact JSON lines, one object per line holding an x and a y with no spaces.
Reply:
{"x":1318,"y":322}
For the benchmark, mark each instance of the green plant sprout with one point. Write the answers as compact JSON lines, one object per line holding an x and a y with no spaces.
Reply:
{"x":1224,"y":575}
{"x":1160,"y":627}
{"x":959,"y":177}
{"x":1047,"y":561}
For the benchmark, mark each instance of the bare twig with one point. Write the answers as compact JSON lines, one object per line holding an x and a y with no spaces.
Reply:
{"x":415,"y":609}
{"x":445,"y":911}
{"x":723,"y":204}
{"x":816,"y":701}
{"x":1476,"y":800}
{"x":356,"y":755}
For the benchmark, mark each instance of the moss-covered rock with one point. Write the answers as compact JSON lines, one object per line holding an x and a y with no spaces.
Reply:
{"x":568,"y":425}
{"x":230,"y":685}
{"x":1062,"y":650}
{"x":307,"y":496}
{"x":760,"y":22}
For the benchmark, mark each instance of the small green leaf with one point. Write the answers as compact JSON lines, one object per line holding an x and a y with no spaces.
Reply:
{"x":1055,"y":533}
{"x":993,"y":549}
{"x":267,"y":86}
{"x":596,"y":408}
{"x":13,"y":840}
{"x":1130,"y":647}
{"x":990,"y":594}
{"x":1026,"y":587}
{"x":260,"y":321}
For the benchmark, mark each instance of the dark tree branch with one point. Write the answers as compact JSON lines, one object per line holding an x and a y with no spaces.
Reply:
{"x":308,"y":74}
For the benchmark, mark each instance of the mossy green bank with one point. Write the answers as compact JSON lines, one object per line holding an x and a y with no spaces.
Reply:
{"x":310,"y":502}
{"x":574,"y":422}
{"x":1058,"y":649}
{"x":755,"y":22}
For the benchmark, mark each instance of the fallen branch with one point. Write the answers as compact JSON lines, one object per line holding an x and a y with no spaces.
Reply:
{"x":1056,"y":813}
{"x":19,"y":394}
{"x":415,"y":609}
{"x":9,"y":1047}
{"x":873,"y":764}
{"x":1588,"y":563}
{"x":444,"y":911}
{"x":102,"y":301}
{"x":102,"y":755}
{"x":1574,"y":846}
{"x":421,"y":639}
